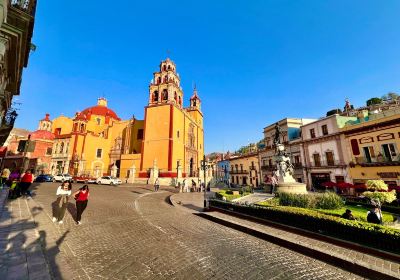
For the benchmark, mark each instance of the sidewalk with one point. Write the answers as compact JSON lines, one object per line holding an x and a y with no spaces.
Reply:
{"x":21,"y":254}
{"x":366,"y":265}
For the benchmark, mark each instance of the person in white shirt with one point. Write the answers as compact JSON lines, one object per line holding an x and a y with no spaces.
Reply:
{"x":63,"y":193}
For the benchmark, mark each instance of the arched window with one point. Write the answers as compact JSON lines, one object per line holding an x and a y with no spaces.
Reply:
{"x":159,"y":80}
{"x":61,"y":147}
{"x":165,"y":67}
{"x":82,"y":127}
{"x":155,"y":96}
{"x":194,"y":103}
{"x":175,"y":97}
{"x":75,"y":127}
{"x":165,"y":94}
{"x":165,"y":79}
{"x":169,"y":67}
{"x":180,"y":101}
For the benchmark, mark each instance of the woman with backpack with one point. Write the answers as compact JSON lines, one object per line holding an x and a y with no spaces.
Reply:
{"x":81,"y":197}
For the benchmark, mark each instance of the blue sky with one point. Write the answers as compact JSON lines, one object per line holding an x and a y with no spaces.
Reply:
{"x":254,"y":62}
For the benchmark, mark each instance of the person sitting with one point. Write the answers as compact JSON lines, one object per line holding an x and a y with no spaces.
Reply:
{"x":348,"y":215}
{"x":374,"y":216}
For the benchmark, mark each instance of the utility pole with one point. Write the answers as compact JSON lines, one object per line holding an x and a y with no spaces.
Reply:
{"x":25,"y":163}
{"x":204,"y":167}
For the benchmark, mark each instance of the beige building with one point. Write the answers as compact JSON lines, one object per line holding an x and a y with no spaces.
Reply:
{"x":291,"y":138}
{"x":245,"y":170}
{"x":324,"y":151}
{"x":373,"y":145}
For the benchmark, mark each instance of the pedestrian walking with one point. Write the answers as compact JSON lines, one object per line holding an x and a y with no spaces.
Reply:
{"x":4,"y":176}
{"x":26,"y":181}
{"x":156,"y":185}
{"x":63,"y":193}
{"x":81,"y":197}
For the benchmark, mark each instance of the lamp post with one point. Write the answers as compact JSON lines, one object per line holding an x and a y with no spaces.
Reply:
{"x":204,"y":167}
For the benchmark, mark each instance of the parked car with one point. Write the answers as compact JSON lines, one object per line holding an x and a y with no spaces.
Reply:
{"x":44,"y":178}
{"x":108,"y":180}
{"x":84,"y":179}
{"x":62,"y":178}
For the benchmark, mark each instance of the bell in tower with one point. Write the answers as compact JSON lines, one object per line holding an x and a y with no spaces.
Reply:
{"x":165,"y":85}
{"x":195,"y":101}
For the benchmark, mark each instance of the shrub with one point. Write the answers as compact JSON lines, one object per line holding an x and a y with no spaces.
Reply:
{"x":297,"y":200}
{"x":384,"y":197}
{"x":377,"y":185}
{"x":329,"y":200}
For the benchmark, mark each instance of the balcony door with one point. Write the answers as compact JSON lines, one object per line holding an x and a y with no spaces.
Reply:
{"x":317,"y":159}
{"x":329,"y":158}
{"x":389,"y":151}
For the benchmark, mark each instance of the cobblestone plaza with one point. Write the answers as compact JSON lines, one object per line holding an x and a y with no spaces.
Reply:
{"x":133,"y":233}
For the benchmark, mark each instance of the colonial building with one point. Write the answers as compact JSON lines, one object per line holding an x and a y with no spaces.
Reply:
{"x":173,"y":135}
{"x":324,"y":151}
{"x":373,"y":144}
{"x":17,"y":18}
{"x":38,"y":155}
{"x":245,"y":170}
{"x":86,"y":143}
{"x":170,"y":139}
{"x":291,"y":138}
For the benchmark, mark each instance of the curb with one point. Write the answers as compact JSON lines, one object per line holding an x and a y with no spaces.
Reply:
{"x":315,"y":254}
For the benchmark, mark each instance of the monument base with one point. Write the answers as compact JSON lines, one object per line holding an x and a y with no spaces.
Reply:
{"x":289,"y":187}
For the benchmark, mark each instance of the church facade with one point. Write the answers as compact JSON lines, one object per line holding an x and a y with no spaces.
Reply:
{"x":97,"y":142}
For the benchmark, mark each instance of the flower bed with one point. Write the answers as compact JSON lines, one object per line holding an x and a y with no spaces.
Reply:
{"x":372,"y":235}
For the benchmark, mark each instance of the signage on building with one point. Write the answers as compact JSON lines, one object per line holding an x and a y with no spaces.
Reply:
{"x":388,"y":174}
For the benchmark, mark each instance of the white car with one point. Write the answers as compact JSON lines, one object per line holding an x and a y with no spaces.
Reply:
{"x":108,"y":180}
{"x":62,"y":178}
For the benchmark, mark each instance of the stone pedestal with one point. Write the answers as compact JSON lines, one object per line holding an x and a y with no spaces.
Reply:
{"x":132,"y":174}
{"x":114,"y":171}
{"x":298,"y":188}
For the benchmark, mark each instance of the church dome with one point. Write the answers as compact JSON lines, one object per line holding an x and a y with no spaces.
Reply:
{"x":100,"y":109}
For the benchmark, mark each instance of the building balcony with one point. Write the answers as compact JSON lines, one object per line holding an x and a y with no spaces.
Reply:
{"x":376,"y":161}
{"x":239,"y":172}
{"x":327,"y":164}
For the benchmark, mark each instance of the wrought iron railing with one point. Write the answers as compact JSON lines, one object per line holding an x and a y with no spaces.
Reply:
{"x":27,"y":6}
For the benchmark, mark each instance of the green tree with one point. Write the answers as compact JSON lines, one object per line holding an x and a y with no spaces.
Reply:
{"x":392,"y":96}
{"x":333,"y":111}
{"x":374,"y":100}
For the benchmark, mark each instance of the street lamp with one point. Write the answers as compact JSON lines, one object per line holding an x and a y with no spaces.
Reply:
{"x":204,"y":167}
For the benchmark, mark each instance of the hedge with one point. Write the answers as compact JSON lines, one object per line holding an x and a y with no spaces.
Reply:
{"x":372,"y":235}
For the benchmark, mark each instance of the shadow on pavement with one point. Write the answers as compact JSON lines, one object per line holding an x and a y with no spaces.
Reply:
{"x":23,"y":254}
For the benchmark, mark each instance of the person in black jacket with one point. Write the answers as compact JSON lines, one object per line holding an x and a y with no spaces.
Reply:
{"x":374,"y":216}
{"x":348,"y":215}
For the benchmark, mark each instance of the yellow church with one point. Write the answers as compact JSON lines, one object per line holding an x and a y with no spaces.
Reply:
{"x":168,"y":143}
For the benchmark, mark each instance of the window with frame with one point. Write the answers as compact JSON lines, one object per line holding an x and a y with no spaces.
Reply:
{"x":317,"y":159}
{"x":329,"y":158}
{"x":324,"y":129}
{"x":98,"y":121}
{"x":312,"y":133}
{"x":99,"y":153}
{"x":49,"y":151}
{"x":297,"y":159}
{"x":389,"y":151}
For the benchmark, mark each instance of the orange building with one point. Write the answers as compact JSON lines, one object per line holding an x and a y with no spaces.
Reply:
{"x":170,"y":139}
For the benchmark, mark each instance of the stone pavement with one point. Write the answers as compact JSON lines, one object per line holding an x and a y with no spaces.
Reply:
{"x":20,"y":246}
{"x":131,"y":232}
{"x":332,"y":252}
